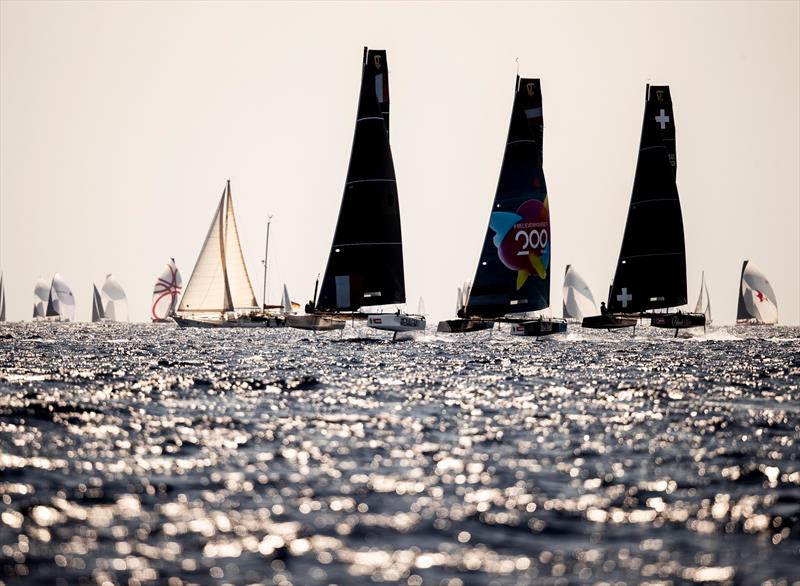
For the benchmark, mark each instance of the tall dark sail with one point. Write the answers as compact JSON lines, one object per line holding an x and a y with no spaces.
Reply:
{"x":513,"y":274}
{"x":651,"y":270}
{"x":741,"y":311}
{"x":365,"y":265}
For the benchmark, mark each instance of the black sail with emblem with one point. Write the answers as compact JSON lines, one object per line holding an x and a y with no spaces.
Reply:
{"x":365,"y":265}
{"x":513,"y":274}
{"x":651,"y":270}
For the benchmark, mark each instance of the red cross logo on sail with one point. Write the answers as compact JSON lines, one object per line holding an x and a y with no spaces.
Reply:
{"x":760,"y":295}
{"x":662,"y":119}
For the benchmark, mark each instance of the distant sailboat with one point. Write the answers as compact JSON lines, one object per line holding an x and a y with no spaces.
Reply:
{"x":41,"y":293}
{"x":2,"y":300}
{"x":165,"y":293}
{"x":703,"y":304}
{"x":110,"y":303}
{"x":757,"y":302}
{"x":365,"y":264}
{"x":651,"y":270}
{"x":513,"y":273}
{"x":578,"y":301}
{"x":60,"y":301}
{"x":219,"y":292}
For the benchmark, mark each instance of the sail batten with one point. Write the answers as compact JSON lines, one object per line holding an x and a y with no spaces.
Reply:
{"x":513,"y":273}
{"x":365,"y":263}
{"x":651,"y":270}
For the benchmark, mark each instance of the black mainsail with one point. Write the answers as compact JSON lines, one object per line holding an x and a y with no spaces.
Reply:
{"x":513,"y":274}
{"x":365,"y":264}
{"x":651,"y":270}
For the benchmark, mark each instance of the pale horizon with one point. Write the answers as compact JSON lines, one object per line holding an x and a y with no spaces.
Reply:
{"x":121,"y":122}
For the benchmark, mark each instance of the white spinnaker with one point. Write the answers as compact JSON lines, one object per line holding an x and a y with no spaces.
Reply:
{"x":759,"y":298}
{"x":61,"y":299}
{"x":207,"y":290}
{"x":240,"y":287}
{"x":166,"y":291}
{"x":40,"y":294}
{"x":115,"y":303}
{"x":578,"y":299}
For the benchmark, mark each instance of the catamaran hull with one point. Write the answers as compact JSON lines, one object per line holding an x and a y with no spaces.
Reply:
{"x":241,"y":322}
{"x":674,"y":321}
{"x":608,"y":322}
{"x":463,"y":326}
{"x":397,"y":323}
{"x":316,"y":323}
{"x":538,"y":328}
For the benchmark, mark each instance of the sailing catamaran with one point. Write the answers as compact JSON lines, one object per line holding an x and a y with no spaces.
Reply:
{"x":165,"y":293}
{"x":703,"y":304}
{"x":651,"y":270}
{"x":577,"y":297}
{"x":110,"y":303}
{"x":60,"y":301}
{"x":219,"y":292}
{"x":757,"y":302}
{"x":513,"y":273}
{"x":365,"y":263}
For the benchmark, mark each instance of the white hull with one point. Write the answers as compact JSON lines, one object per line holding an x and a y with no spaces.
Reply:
{"x":392,"y":322}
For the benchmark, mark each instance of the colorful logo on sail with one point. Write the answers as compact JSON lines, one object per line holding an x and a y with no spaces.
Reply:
{"x":523,"y":239}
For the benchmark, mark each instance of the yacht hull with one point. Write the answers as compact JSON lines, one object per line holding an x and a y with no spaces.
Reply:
{"x":391,"y":322}
{"x":239,"y":322}
{"x":608,"y":322}
{"x":538,"y":328}
{"x":315,"y":323}
{"x":463,"y":326}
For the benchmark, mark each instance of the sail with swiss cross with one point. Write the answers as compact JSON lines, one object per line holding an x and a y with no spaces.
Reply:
{"x":651,"y":270}
{"x":365,"y":264}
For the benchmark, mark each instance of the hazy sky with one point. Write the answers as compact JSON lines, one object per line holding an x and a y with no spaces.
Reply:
{"x":121,"y":121}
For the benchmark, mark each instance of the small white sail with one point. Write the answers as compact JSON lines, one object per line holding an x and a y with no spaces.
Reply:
{"x":219,"y":281}
{"x":703,"y":300}
{"x":458,"y":300}
{"x":757,"y":302}
{"x":2,"y":300}
{"x":578,"y":301}
{"x":421,"y":307}
{"x":97,"y":305}
{"x":41,"y":292}
{"x":114,"y":301}
{"x":286,"y":303}
{"x":166,"y":291}
{"x":61,"y":301}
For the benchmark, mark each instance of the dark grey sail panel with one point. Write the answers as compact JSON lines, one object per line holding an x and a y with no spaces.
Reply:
{"x":2,"y":300}
{"x":513,"y":274}
{"x":97,"y":305}
{"x":51,"y":308}
{"x":741,"y":309}
{"x":651,"y":270}
{"x":365,"y":265}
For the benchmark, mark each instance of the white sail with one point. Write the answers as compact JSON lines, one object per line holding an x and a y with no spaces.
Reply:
{"x":166,"y":291}
{"x":286,"y":303}
{"x":421,"y":307}
{"x":61,"y":301}
{"x":757,"y":298}
{"x":115,"y":303}
{"x":2,"y":300}
{"x":578,"y":301}
{"x":219,"y":281}
{"x":97,"y":305}
{"x":41,"y":292}
{"x":703,"y":300}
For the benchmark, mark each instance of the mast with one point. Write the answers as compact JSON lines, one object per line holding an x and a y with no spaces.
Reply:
{"x":513,"y":273}
{"x":651,"y":269}
{"x":266,"y":257}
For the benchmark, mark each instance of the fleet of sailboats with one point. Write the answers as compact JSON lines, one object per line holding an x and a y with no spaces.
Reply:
{"x":365,"y":266}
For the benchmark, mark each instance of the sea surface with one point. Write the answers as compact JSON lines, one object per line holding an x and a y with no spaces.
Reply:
{"x":139,"y":454}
